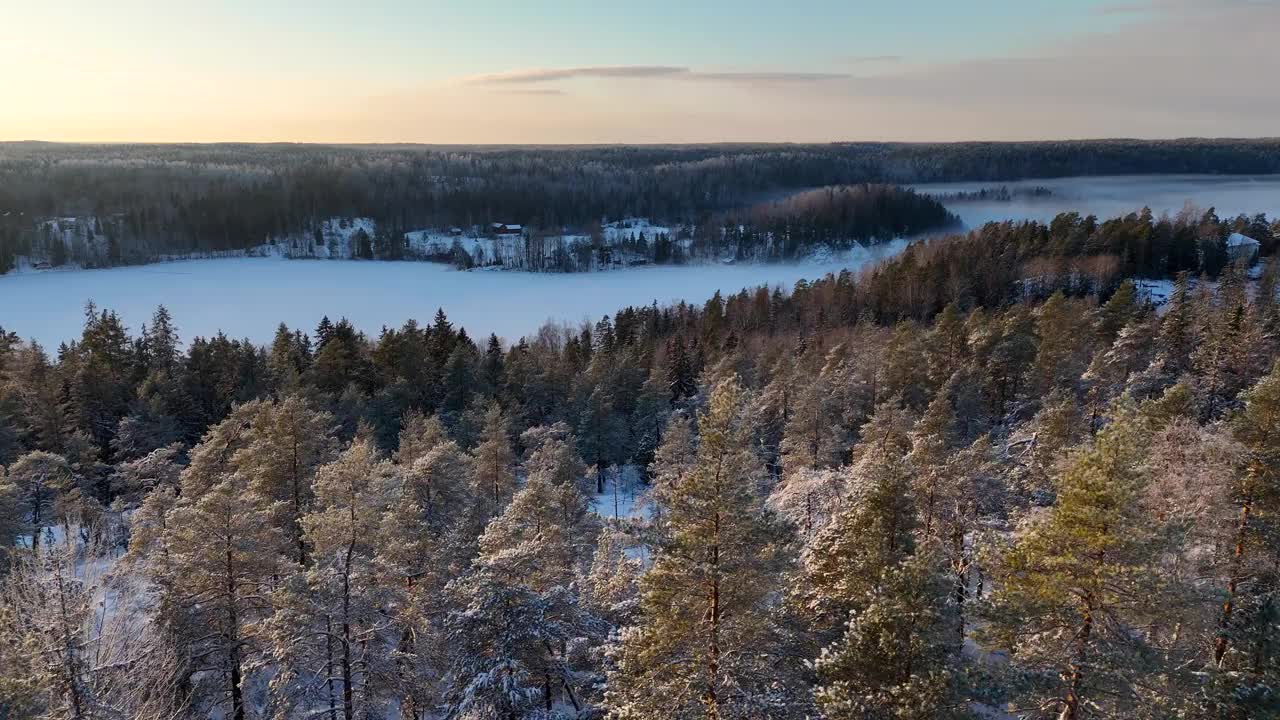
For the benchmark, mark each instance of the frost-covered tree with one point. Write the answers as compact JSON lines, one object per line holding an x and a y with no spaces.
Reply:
{"x":224,"y":554}
{"x":892,"y":659}
{"x":40,"y":478}
{"x":1077,"y":584}
{"x":703,"y":644}
{"x":285,"y":445}
{"x":329,"y":631}
{"x":494,"y":473}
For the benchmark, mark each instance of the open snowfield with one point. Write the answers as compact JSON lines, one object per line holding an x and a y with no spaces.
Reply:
{"x":249,"y":297}
{"x":1109,"y":197}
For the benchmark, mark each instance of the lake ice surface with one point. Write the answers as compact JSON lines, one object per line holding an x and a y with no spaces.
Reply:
{"x":249,"y":297}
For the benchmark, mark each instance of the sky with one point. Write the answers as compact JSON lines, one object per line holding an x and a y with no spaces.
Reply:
{"x":658,"y":71}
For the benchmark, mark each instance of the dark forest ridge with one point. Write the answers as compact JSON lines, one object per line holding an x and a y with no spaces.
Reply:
{"x":137,"y":203}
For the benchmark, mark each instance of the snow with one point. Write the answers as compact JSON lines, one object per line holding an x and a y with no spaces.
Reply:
{"x":618,"y":231}
{"x":250,"y":296}
{"x":1156,"y":292}
{"x":623,"y":497}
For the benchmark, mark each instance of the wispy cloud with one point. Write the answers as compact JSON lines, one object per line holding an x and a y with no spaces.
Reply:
{"x":1135,"y":8}
{"x":541,"y":75}
{"x":765,"y":77}
{"x":532,"y":91}
{"x":872,"y":59}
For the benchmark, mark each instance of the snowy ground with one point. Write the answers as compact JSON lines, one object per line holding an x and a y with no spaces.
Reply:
{"x":248,"y":297}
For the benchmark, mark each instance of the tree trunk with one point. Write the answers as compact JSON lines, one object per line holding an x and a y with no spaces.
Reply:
{"x":328,"y":667}
{"x":1223,"y":641}
{"x":233,"y":640}
{"x":299,"y":541}
{"x":348,"y":701}
{"x":712,"y":701}
{"x":1071,"y":705}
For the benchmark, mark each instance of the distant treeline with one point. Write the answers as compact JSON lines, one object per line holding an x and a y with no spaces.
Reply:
{"x":147,"y":200}
{"x":833,"y":216}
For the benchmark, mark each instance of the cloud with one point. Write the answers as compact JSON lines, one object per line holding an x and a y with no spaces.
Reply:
{"x":543,"y":75}
{"x":1138,"y":8}
{"x":765,"y":77}
{"x":533,"y":91}
{"x":872,"y":59}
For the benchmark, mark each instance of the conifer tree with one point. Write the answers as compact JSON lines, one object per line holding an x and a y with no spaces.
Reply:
{"x":40,"y":478}
{"x":224,"y":554}
{"x":285,"y":445}
{"x":10,"y":514}
{"x":876,"y":530}
{"x":703,"y":645}
{"x":1255,"y":544}
{"x":892,"y":660}
{"x":1075,"y":585}
{"x":329,"y":623}
{"x":947,"y":346}
{"x":494,"y":473}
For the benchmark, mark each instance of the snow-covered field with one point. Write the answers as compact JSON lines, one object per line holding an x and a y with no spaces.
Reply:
{"x":1112,"y":196}
{"x":248,"y":297}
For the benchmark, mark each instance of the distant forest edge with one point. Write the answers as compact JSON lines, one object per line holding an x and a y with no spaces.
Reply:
{"x":535,"y":208}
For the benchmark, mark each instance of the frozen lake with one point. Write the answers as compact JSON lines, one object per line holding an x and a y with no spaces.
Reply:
{"x":249,"y":297}
{"x":1113,"y":196}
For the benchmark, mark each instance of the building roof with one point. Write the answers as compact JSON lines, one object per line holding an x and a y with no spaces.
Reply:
{"x":1238,"y":240}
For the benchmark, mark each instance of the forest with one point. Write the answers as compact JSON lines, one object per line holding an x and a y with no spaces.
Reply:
{"x":141,"y":202}
{"x":992,"y":477}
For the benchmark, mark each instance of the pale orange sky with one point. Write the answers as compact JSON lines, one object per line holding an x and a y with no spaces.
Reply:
{"x":493,"y":72}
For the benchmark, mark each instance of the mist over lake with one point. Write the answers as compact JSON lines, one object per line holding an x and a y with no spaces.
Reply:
{"x":1112,"y":196}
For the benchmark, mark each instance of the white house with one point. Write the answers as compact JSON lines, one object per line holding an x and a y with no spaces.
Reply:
{"x":1242,"y":247}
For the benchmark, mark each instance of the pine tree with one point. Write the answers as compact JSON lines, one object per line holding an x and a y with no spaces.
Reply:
{"x":611,"y":581}
{"x":1117,"y":312}
{"x":1255,"y":543}
{"x":892,"y":660}
{"x":494,"y":475}
{"x":329,"y":623}
{"x":414,"y":567}
{"x":1075,"y":585}
{"x":931,"y":444}
{"x":703,"y":645}
{"x":40,"y":478}
{"x":873,"y":532}
{"x":947,"y":346}
{"x":285,"y":445}
{"x":1061,"y":356}
{"x":224,"y":554}
{"x":545,"y":536}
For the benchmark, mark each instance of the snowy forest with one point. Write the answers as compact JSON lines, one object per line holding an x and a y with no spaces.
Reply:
{"x":104,"y":205}
{"x":992,"y":477}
